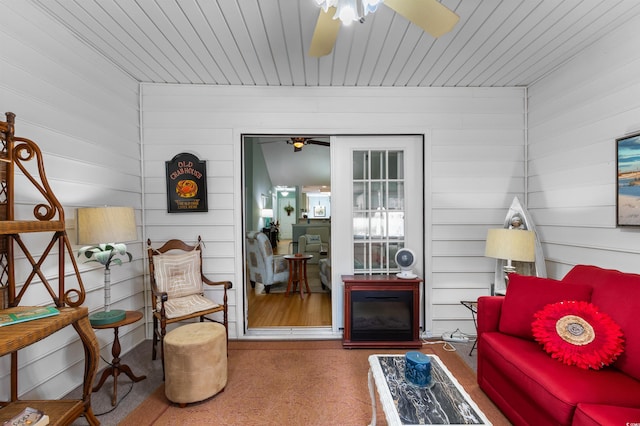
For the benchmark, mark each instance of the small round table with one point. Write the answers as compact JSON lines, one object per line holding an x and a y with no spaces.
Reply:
{"x":297,"y":272}
{"x":115,"y":368}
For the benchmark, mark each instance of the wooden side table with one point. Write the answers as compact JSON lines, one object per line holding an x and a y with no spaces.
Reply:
{"x":297,"y":273}
{"x":116,"y":368}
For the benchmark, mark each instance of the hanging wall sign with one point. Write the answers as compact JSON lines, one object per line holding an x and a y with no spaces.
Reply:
{"x":186,"y":184}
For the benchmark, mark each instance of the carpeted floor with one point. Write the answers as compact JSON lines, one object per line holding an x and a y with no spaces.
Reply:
{"x":295,"y":383}
{"x":135,"y":398}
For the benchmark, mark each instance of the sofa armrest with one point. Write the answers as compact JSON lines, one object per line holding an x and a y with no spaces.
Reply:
{"x":489,"y":310}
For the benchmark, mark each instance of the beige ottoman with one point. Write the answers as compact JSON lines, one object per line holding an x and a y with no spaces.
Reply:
{"x":195,"y":362}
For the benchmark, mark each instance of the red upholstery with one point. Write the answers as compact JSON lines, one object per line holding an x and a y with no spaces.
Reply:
{"x":622,"y":304}
{"x":532,"y":388}
{"x":527,"y":295}
{"x":596,"y":415}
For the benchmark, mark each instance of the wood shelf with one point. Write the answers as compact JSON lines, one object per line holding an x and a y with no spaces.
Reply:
{"x":26,"y":226}
{"x":48,"y":217}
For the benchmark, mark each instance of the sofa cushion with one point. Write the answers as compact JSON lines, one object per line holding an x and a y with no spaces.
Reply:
{"x":578,"y":333}
{"x":526,"y":295}
{"x":550,"y":385}
{"x":611,"y":289}
{"x":597,"y":414}
{"x":313,"y":239}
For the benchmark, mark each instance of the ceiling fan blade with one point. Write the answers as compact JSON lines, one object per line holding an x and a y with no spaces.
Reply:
{"x":325,"y":34}
{"x":430,"y":15}
{"x":315,"y":142}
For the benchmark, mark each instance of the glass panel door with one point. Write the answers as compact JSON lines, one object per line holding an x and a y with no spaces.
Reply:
{"x":378,"y":210}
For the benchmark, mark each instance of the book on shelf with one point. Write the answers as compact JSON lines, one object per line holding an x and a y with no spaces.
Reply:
{"x":10,"y":316}
{"x":28,"y":417}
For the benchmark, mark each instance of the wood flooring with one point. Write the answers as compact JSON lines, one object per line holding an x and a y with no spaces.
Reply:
{"x":276,"y":310}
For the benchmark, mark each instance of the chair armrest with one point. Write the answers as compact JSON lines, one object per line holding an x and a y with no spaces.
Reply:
{"x":227,"y":284}
{"x":489,"y":310}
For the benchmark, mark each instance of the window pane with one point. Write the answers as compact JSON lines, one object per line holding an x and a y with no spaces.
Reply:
{"x":378,"y":195}
{"x":360,"y":225}
{"x":396,"y":164}
{"x":378,"y":165}
{"x":396,"y":225}
{"x":378,"y":224}
{"x":360,"y":165}
{"x":360,"y":195}
{"x":396,"y":196}
{"x":360,"y":257}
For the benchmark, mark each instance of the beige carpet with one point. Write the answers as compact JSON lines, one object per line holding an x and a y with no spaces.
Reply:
{"x":295,"y":383}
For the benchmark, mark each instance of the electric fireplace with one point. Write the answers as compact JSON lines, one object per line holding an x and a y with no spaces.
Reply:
{"x":381,"y":311}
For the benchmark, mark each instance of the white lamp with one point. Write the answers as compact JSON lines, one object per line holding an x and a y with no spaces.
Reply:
{"x":96,"y":226}
{"x":509,"y":245}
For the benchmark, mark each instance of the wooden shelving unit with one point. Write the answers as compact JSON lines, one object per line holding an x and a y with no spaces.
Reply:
{"x":48,"y":216}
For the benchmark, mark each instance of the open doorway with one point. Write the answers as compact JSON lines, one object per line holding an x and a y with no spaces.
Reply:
{"x":287,"y":184}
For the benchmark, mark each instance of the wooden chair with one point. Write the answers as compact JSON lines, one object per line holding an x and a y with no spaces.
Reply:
{"x":177,"y":288}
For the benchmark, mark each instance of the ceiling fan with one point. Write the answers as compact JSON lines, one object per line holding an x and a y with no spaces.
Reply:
{"x":430,"y":15}
{"x":299,"y":142}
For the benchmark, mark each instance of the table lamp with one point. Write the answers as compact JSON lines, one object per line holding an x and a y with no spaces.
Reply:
{"x":267,"y":214}
{"x":97,"y":226}
{"x":509,"y":245}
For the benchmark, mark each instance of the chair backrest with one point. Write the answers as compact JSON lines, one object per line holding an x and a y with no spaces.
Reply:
{"x":259,"y":256}
{"x":176,"y":268}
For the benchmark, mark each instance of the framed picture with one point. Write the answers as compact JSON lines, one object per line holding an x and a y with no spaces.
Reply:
{"x":628,"y":172}
{"x":319,"y":211}
{"x":186,"y":184}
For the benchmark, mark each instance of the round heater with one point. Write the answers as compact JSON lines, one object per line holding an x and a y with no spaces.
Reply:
{"x":405,"y":259}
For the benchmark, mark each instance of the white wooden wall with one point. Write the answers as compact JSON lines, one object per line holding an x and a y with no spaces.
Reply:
{"x":575,"y":115}
{"x":474,"y":165}
{"x":83,"y":113}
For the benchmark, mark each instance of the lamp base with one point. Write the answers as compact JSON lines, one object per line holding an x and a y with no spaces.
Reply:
{"x":107,"y":317}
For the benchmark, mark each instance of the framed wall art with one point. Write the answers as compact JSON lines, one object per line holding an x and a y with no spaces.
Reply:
{"x":628,"y":180}
{"x":319,"y":211}
{"x":186,"y":184}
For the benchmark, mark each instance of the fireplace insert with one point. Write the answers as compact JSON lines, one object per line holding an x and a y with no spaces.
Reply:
{"x":381,"y":315}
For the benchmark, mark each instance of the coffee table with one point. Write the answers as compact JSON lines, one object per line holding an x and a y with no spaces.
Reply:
{"x":444,"y":401}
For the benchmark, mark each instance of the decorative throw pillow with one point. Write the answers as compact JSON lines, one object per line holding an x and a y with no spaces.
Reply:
{"x":313,"y":239}
{"x":178,"y":274}
{"x":526,"y":295}
{"x":577,"y":333}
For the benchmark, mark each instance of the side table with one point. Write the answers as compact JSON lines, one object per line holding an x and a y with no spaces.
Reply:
{"x":472,"y":305}
{"x":116,"y":368}
{"x":297,"y":273}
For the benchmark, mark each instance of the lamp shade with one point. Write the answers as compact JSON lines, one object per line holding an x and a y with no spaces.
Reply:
{"x":267,"y":213}
{"x":511,"y":244}
{"x":99,"y":225}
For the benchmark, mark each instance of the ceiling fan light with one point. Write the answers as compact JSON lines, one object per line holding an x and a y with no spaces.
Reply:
{"x":370,"y":6}
{"x":347,"y":11}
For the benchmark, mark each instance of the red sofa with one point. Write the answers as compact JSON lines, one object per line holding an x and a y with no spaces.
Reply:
{"x":532,"y":388}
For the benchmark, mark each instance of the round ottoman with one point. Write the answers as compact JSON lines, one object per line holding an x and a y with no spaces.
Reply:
{"x":195,"y":362}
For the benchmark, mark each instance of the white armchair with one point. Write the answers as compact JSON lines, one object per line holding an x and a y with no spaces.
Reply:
{"x":264,"y":266}
{"x":315,"y":242}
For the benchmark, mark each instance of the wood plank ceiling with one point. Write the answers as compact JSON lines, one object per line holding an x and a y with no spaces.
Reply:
{"x":496,"y":43}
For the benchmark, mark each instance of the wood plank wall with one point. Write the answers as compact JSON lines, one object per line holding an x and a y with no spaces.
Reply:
{"x":83,"y":113}
{"x":575,"y":115}
{"x":474,"y":166}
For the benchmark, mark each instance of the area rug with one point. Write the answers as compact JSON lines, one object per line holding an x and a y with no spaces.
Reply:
{"x":296,"y":383}
{"x":313,"y":276}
